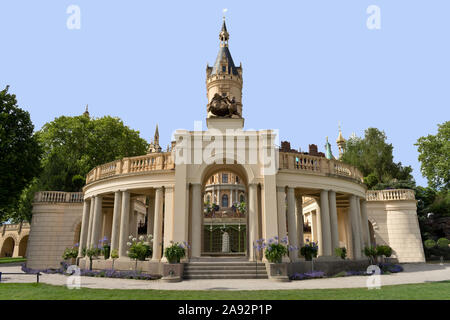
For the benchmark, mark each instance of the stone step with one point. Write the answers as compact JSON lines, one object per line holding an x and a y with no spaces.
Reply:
{"x":240,"y":271}
{"x":224,"y":269}
{"x":223,"y":264}
{"x":226,"y":276}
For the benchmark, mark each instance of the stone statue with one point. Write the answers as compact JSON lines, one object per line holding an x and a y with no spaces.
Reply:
{"x":225,"y":242}
{"x":222,"y":106}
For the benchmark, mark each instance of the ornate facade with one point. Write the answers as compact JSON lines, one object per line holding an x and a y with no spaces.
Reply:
{"x":223,"y":188}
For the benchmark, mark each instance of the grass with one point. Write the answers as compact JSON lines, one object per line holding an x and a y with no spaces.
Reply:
{"x":11,"y":260}
{"x":35,"y":291}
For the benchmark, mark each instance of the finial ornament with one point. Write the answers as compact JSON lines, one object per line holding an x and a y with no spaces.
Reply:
{"x":224,"y":10}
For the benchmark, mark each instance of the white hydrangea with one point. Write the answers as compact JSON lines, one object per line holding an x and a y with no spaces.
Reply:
{"x":128,"y":243}
{"x":147,"y":243}
{"x":134,"y":239}
{"x":141,"y":238}
{"x":130,"y":237}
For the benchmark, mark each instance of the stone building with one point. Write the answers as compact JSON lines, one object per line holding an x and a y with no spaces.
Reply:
{"x":225,"y":180}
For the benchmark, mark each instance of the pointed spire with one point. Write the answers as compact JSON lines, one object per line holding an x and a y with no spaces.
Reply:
{"x":156,"y":139}
{"x":86,"y":112}
{"x":328,"y":152}
{"x":224,"y":35}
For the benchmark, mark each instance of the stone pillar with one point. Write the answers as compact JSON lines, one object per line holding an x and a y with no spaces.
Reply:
{"x":196,"y":225}
{"x":157,"y":231}
{"x":115,"y":230}
{"x":300,"y":221}
{"x":252,"y":220}
{"x":84,"y":227}
{"x":168,"y":217}
{"x":124,"y":217}
{"x":91,"y":219}
{"x":151,"y":215}
{"x":355,"y":228}
{"x":292,"y":223}
{"x":15,"y":253}
{"x":358,"y":210}
{"x":325,"y":223}
{"x":231,"y":195}
{"x":365,"y":222}
{"x":333,"y":221}
{"x":281,"y":210}
{"x":97,"y":223}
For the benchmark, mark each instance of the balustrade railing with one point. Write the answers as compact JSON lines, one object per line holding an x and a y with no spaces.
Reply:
{"x":58,"y":196}
{"x":320,"y":165}
{"x":392,"y":194}
{"x":149,"y":162}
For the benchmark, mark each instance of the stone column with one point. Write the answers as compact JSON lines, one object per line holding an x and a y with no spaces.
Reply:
{"x":151,"y":215}
{"x":333,"y":221}
{"x":168,"y":217}
{"x":84,"y":227}
{"x":97,"y":223}
{"x":91,"y":219}
{"x":252,"y":220}
{"x":115,"y":231}
{"x":292,"y":223}
{"x":358,"y":210}
{"x":157,"y":231}
{"x":325,"y":223}
{"x":196,"y":225}
{"x":365,"y":222}
{"x":231,"y":195}
{"x":300,"y":221}
{"x":124,"y":217}
{"x":281,"y":210}
{"x":355,"y":228}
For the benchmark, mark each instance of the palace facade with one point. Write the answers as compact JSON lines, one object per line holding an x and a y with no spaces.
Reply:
{"x":221,"y":190}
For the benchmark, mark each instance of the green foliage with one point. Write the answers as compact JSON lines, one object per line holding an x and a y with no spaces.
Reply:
{"x":115,"y":254}
{"x":242,"y":207}
{"x":275,"y":251}
{"x":341,"y":252}
{"x":175,"y":252}
{"x":19,"y":152}
{"x":371,"y":253}
{"x":309,"y":250}
{"x":384,"y":251}
{"x":443,"y":242}
{"x":434,"y":155}
{"x":373,"y":156}
{"x":75,"y":145}
{"x":139,"y":249}
{"x":429,"y":243}
{"x":70,"y":253}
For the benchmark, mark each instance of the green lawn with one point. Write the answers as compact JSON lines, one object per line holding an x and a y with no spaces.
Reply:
{"x":10,"y":260}
{"x":435,"y":290}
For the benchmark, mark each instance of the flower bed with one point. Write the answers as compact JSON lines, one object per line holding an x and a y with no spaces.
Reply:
{"x":308,"y":275}
{"x":95,"y":273}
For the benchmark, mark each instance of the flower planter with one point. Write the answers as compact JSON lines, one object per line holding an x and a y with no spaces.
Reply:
{"x":172,"y":272}
{"x":278,"y":271}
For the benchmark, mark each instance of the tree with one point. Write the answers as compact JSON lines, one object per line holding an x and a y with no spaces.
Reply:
{"x":373,"y":156}
{"x":434,"y":155}
{"x":74,"y":145}
{"x":19,"y":151}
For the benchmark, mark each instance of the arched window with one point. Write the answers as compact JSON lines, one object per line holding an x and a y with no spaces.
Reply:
{"x":242,"y":198}
{"x":225,"y":201}
{"x":208,"y":198}
{"x":237,"y":179}
{"x":225,"y":178}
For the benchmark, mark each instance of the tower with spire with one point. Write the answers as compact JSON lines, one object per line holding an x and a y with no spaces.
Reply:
{"x":224,"y":83}
{"x":86,"y":112}
{"x":154,"y":144}
{"x":340,"y":141}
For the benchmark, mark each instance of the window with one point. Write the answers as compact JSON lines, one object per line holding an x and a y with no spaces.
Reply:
{"x":237,"y":179}
{"x":208,"y":198}
{"x":225,"y":178}
{"x":225,"y":201}
{"x":242,"y":198}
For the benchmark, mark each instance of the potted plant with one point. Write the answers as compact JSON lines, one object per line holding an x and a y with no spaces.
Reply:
{"x":114,"y":255}
{"x":371,"y":253}
{"x":173,"y":270}
{"x":309,"y":250}
{"x":70,"y":254}
{"x":106,"y":248}
{"x":274,"y":252}
{"x":341,"y":252}
{"x":92,"y":252}
{"x":139,"y":249}
{"x":383,"y":251}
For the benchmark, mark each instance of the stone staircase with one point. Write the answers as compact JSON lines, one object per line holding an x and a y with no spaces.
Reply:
{"x":224,"y":268}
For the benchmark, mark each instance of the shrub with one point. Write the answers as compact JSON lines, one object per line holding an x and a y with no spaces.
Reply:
{"x":384,"y":251}
{"x":341,"y":252}
{"x":430,"y":243}
{"x":443,"y":243}
{"x":309,"y":250}
{"x":139,"y":248}
{"x":371,"y":253}
{"x":70,"y":253}
{"x":176,"y":251}
{"x":274,"y":250}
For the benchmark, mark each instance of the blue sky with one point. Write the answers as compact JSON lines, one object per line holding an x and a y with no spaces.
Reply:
{"x":306,"y":64}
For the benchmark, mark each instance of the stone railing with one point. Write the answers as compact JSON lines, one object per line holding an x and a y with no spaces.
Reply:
{"x":318,"y":165}
{"x":393,"y":194}
{"x":149,"y":162}
{"x":14,"y":227}
{"x":58,"y":196}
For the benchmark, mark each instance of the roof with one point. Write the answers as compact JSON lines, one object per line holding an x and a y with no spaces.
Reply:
{"x":224,"y":53}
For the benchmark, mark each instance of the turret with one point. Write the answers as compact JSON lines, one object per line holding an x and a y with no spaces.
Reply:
{"x":340,"y":141}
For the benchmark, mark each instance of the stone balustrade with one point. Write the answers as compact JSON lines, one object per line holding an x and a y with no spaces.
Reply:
{"x":14,"y":227}
{"x":149,"y":162}
{"x":318,"y":165}
{"x":58,"y":197}
{"x":392,"y":194}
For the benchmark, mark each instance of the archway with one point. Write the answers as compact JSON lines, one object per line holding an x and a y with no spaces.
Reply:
{"x":7,"y":248}
{"x":225,"y":219}
{"x":23,"y":246}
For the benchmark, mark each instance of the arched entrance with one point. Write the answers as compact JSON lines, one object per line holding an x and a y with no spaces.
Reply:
{"x":23,"y":246}
{"x":225,"y":219}
{"x":7,"y":248}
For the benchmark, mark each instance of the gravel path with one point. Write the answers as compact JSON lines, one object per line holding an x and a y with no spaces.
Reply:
{"x":413,"y":273}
